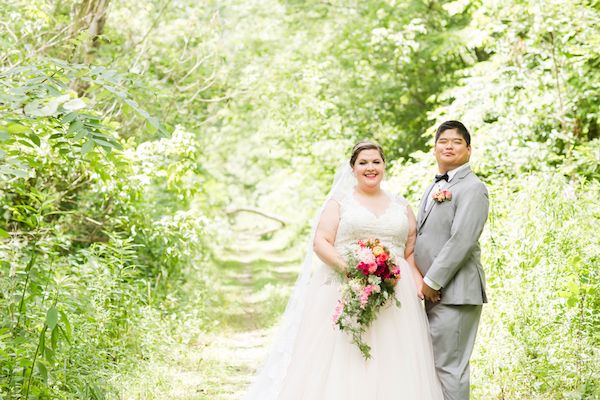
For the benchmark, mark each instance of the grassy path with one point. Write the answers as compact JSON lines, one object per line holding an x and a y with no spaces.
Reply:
{"x":214,"y":358}
{"x":256,"y":295}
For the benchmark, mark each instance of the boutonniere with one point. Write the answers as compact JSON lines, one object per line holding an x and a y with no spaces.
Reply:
{"x":442,"y":195}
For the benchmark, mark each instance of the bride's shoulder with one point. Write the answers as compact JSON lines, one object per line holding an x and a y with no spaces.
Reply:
{"x":340,"y":197}
{"x":399,"y":201}
{"x":397,"y":198}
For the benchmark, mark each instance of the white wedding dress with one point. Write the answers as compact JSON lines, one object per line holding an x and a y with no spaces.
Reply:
{"x":323,"y":363}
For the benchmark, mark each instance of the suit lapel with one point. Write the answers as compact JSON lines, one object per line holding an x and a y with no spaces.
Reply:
{"x":457,"y":178}
{"x":424,"y":203}
{"x":426,"y":214}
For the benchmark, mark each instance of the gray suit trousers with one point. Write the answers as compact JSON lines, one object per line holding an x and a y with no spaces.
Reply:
{"x":453,"y":329}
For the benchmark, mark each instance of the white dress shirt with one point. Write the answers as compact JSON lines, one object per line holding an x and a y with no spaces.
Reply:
{"x":439,"y":186}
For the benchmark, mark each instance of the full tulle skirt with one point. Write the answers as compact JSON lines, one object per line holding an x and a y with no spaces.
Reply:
{"x":325,"y":364}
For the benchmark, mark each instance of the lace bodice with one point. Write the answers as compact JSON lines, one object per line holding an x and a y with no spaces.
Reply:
{"x":358,"y":222}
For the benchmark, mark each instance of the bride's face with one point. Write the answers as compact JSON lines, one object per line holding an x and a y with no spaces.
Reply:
{"x":369,"y":168}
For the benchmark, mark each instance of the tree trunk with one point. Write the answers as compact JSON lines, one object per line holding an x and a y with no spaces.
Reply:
{"x":89,"y":15}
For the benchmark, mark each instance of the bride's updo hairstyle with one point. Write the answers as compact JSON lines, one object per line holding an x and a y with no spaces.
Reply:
{"x":366,"y":145}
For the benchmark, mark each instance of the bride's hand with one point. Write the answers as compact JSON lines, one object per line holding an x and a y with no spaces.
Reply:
{"x":419,"y":284}
{"x":342,"y":268}
{"x":420,"y":294}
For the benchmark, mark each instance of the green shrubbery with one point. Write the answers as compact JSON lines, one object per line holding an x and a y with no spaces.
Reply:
{"x":538,"y":336}
{"x":90,"y":236}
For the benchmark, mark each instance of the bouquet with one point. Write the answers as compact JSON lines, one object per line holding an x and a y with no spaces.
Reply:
{"x":371,"y":278}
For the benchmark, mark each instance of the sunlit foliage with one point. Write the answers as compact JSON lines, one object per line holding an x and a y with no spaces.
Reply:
{"x":131,"y":132}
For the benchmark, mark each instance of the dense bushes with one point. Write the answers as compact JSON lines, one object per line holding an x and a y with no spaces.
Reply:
{"x":90,"y":235}
{"x":538,"y":336}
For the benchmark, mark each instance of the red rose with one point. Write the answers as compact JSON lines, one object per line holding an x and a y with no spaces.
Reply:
{"x":382,"y":258}
{"x":364,"y":268}
{"x":383,"y":272}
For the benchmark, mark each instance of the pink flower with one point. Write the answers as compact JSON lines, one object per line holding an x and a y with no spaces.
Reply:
{"x":364,"y":268}
{"x":364,"y":297}
{"x":442,"y":195}
{"x":382,"y":258}
{"x":367,"y":268}
{"x":339,"y":308}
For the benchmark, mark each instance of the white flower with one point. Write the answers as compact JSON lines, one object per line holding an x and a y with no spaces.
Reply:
{"x":374,"y":280}
{"x":366,"y":255}
{"x":355,"y":285}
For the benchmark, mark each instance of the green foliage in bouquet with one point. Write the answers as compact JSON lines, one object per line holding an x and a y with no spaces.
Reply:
{"x":368,"y":285}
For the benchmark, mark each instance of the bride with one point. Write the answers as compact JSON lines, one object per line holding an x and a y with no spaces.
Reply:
{"x":311,"y":358}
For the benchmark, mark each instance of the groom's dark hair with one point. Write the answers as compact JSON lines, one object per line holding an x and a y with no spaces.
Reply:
{"x":461,"y":129}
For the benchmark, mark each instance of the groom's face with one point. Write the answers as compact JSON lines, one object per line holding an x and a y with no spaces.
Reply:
{"x":451,"y":150}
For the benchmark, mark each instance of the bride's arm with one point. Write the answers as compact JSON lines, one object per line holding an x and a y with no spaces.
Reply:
{"x":325,"y":237}
{"x":409,"y":254}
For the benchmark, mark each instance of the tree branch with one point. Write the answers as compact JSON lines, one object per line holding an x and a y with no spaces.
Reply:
{"x":252,"y":210}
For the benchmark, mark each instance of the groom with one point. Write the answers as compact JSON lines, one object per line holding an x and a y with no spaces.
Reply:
{"x":451,"y":217}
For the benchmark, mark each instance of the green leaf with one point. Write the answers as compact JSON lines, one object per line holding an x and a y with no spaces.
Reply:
{"x":43,"y":371}
{"x":54,"y":338}
{"x":87,"y":147}
{"x":4,"y":136}
{"x":49,"y":353}
{"x":42,"y":341}
{"x":26,"y":143}
{"x":13,"y":171}
{"x":75,"y":126}
{"x":4,"y":355}
{"x":104,"y":143}
{"x":67,"y":118}
{"x":4,"y":234}
{"x":67,"y":325}
{"x":52,"y":317}
{"x":17,"y":128}
{"x":35,"y":139}
{"x":64,"y":151}
{"x":90,"y":117}
{"x":81,"y":134}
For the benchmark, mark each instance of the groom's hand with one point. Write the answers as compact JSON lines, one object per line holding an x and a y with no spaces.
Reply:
{"x":430,"y":294}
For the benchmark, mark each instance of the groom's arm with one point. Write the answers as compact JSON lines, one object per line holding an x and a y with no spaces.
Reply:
{"x":469,"y":219}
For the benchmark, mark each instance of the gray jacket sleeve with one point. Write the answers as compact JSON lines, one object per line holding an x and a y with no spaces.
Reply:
{"x":469,"y":219}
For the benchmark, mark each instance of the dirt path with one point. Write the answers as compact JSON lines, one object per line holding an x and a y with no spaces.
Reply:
{"x":200,"y":358}
{"x":256,"y":294}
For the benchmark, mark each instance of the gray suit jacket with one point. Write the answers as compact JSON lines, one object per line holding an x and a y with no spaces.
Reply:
{"x":447,"y":248}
